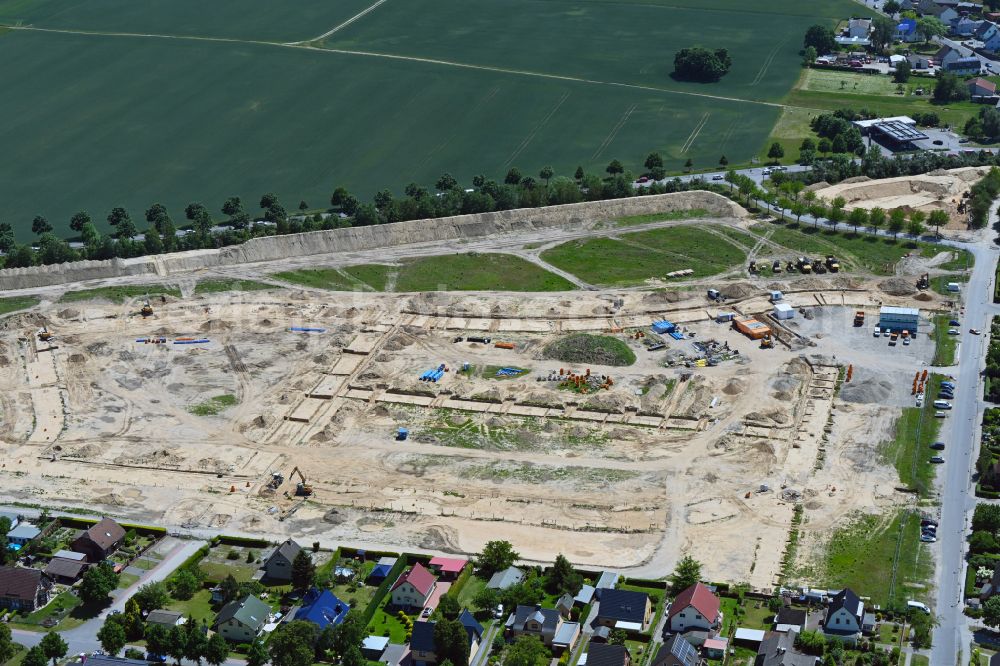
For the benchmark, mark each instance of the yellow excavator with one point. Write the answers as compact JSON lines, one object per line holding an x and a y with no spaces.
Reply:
{"x":767,"y":342}
{"x":302,"y":488}
{"x":147,"y":309}
{"x":45,"y":334}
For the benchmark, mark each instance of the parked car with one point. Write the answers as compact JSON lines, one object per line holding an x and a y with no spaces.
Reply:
{"x":426,"y":613}
{"x":929,"y":521}
{"x":906,"y":341}
{"x":937,"y":446}
{"x":942,"y":404}
{"x":937,"y":460}
{"x":498,"y":612}
{"x":954,"y":322}
{"x":644,"y":179}
{"x":940,"y":415}
{"x":926,"y":538}
{"x":877,"y":331}
{"x":953,"y":331}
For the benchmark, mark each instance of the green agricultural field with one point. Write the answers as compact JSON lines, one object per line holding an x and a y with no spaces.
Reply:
{"x":16,"y":303}
{"x":119,"y":294}
{"x":216,"y":286}
{"x":404,"y":93}
{"x":636,"y":257}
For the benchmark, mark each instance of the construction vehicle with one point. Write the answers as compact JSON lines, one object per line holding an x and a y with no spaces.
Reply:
{"x":767,"y":342}
{"x":924,"y":282}
{"x":276,"y":480}
{"x":147,"y":309}
{"x":859,"y":318}
{"x":819,"y":267}
{"x":776,"y":266}
{"x":790,"y":266}
{"x":832,"y":264}
{"x":753,"y":266}
{"x":804,"y":265}
{"x":302,"y":488}
{"x":45,"y":335}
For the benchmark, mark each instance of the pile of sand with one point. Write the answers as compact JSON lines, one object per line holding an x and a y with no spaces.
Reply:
{"x":738,"y":290}
{"x":897,"y":287}
{"x":734,"y":387}
{"x":867,"y":391}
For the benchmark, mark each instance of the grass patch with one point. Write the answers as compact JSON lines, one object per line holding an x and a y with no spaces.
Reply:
{"x":847,"y":83}
{"x":213,"y":405}
{"x":216,"y":286}
{"x":944,"y":344}
{"x":636,"y":257}
{"x":198,"y":607}
{"x":910,"y":451}
{"x":861,"y":554}
{"x":939,"y":283}
{"x":585,"y":348}
{"x":217,"y":571}
{"x":632,"y":220}
{"x":919,"y":660}
{"x":456,"y":431}
{"x":503,"y":471}
{"x":373,"y":276}
{"x":59,"y":608}
{"x":792,"y":126}
{"x":743,"y":237}
{"x":319,"y":278}
{"x":119,"y":294}
{"x":388,"y":624}
{"x":472,"y":587}
{"x":15,"y":303}
{"x":961,"y":260}
{"x":126,"y":580}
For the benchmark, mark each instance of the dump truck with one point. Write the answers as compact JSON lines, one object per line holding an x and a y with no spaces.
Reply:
{"x":859,"y":318}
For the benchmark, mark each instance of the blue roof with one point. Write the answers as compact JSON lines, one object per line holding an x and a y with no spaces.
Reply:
{"x":380,"y":571}
{"x":422,"y":637}
{"x":472,"y":627}
{"x":322,"y":609}
{"x":907,"y":25}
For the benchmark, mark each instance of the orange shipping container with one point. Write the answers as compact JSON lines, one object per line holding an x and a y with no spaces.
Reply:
{"x":752,"y":328}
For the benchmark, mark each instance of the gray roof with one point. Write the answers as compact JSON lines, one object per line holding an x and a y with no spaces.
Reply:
{"x":70,"y":555}
{"x":606,"y":654}
{"x":678,"y":648}
{"x":547,"y":617}
{"x":565,"y":601}
{"x":566,"y":633}
{"x":847,"y":600}
{"x":585,"y":595}
{"x":166,"y":617}
{"x":608,"y":579}
{"x":501,"y":580}
{"x":249,"y":611}
{"x":779,"y":650}
{"x":289,"y":549}
{"x":24,"y":531}
{"x":623,"y":606}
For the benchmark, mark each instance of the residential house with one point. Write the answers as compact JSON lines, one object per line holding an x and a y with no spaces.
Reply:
{"x":695,"y":608}
{"x":584,"y":596}
{"x":413,"y":588}
{"x":964,"y":66}
{"x":984,"y":30}
{"x":992,"y":588}
{"x":778,"y":649}
{"x":906,"y":5}
{"x":545,"y":623}
{"x":447,"y":568}
{"x":23,"y":589}
{"x":906,"y":31}
{"x":607,"y":580}
{"x":422,"y":649}
{"x":715,"y":648}
{"x":322,"y":608}
{"x":624,"y":609}
{"x":790,"y":619}
{"x":946,"y":55}
{"x":373,"y":647}
{"x":509,"y":577}
{"x":381,"y":570}
{"x":100,"y":540}
{"x":606,"y":654}
{"x":676,"y":651}
{"x":165,"y":618}
{"x":241,"y":620}
{"x":278,"y":566}
{"x":859,"y":28}
{"x":964,"y":26}
{"x":845,"y":615}
{"x":65,"y":571}
{"x":980,"y":87}
{"x":565,"y":605}
{"x":947,"y":15}
{"x":22,"y":535}
{"x":991,"y":41}
{"x":918,"y":62}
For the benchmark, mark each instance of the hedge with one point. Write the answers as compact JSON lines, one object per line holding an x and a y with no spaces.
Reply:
{"x":383,"y":589}
{"x":463,"y":578}
{"x":242,"y":541}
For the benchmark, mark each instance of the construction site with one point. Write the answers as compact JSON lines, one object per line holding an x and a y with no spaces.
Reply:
{"x":621,"y":427}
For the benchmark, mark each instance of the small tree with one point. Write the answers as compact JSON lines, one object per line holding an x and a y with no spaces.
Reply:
{"x":496,"y":556}
{"x":687,"y":573}
{"x":256,"y":654}
{"x":98,"y":583}
{"x":617,"y":637}
{"x":40,"y":226}
{"x":858,"y":218}
{"x":723,"y":161}
{"x":7,"y":647}
{"x":809,"y":55}
{"x":184,"y":584}
{"x":546,"y":174}
{"x":112,"y":635}
{"x":35,"y":657}
{"x":563,"y":578}
{"x":53,"y":646}
{"x":902,"y":73}
{"x":938,"y":219}
{"x":689,"y":164}
{"x":876,"y":218}
{"x":303,"y":571}
{"x":775,"y":152}
{"x":615,"y":167}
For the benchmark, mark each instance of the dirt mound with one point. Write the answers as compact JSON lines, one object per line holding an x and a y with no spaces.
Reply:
{"x":69,"y":313}
{"x":923,"y":296}
{"x":734,"y":387}
{"x":665,"y":296}
{"x":590,"y":349}
{"x":215,"y":325}
{"x":738,"y":290}
{"x":77,"y":358}
{"x":897,"y":287}
{"x":867,"y":391}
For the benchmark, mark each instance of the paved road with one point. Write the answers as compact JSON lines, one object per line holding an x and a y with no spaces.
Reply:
{"x":961,"y":434}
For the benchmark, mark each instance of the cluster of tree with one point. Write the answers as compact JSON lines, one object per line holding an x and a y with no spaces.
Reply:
{"x":981,"y":196}
{"x":51,"y":647}
{"x":98,"y":583}
{"x":186,"y":641}
{"x":949,"y":88}
{"x":841,"y":135}
{"x":697,"y":63}
{"x":821,"y":38}
{"x":300,"y":643}
{"x":561,"y":578}
{"x":833,"y":653}
{"x":985,"y":528}
{"x":928,"y":119}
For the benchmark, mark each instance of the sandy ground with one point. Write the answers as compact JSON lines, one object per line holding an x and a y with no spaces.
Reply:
{"x":669,"y":460}
{"x":938,"y":190}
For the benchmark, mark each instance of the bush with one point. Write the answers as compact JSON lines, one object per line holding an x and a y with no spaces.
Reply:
{"x":232,"y":555}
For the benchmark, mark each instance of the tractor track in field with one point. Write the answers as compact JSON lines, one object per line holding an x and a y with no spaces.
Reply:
{"x":417,"y":59}
{"x":343,"y":25}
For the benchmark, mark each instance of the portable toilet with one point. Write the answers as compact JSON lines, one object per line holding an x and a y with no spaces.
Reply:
{"x":402,"y":434}
{"x":783,"y":311}
{"x":776,"y":296}
{"x":725,"y":317}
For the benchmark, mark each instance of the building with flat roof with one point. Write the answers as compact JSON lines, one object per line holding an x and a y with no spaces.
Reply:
{"x":898,"y":319}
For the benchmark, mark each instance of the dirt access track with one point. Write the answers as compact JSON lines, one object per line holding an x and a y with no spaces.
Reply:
{"x":667,"y":460}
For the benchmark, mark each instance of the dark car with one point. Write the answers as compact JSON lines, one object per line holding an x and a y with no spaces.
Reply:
{"x":928,"y":521}
{"x":954,"y":322}
{"x":937,"y":460}
{"x":938,"y":446}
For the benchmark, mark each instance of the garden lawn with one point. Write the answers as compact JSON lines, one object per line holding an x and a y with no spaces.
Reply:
{"x":199,"y":606}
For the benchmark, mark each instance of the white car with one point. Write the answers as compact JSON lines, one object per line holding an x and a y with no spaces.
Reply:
{"x":926,"y":538}
{"x":877,"y":331}
{"x":953,"y":331}
{"x":717,"y":176}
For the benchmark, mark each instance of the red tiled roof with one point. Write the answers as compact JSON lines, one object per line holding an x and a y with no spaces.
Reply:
{"x":419,"y":577}
{"x":701,"y":598}
{"x":983,"y":83}
{"x":449,"y":564}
